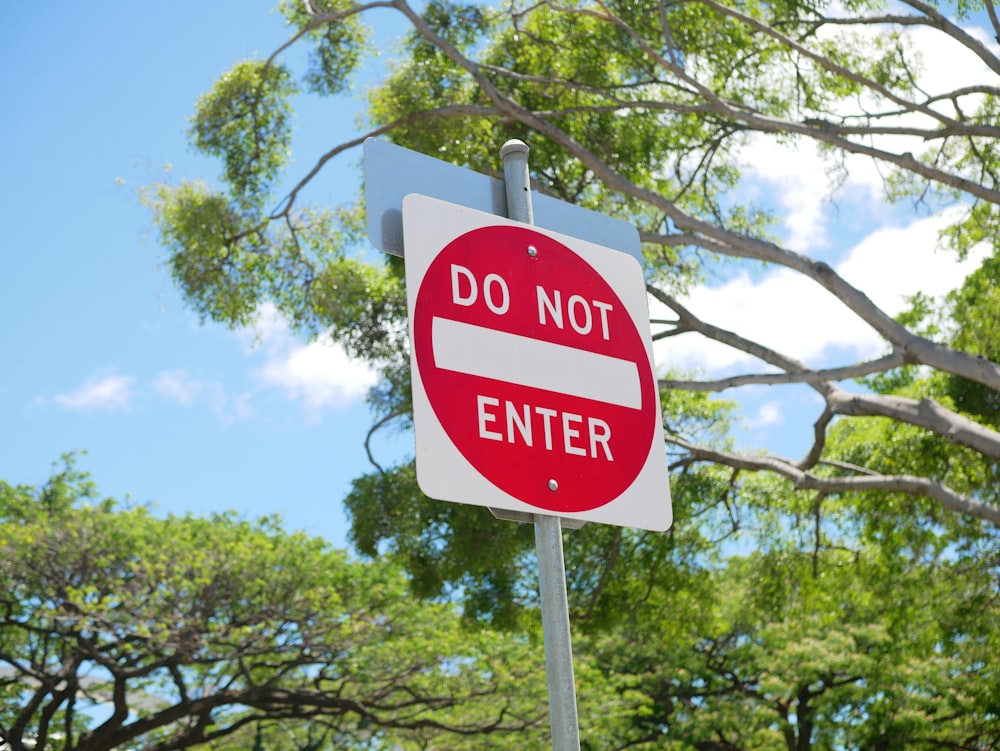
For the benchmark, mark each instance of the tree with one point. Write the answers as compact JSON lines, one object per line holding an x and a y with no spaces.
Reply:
{"x":119,"y":629}
{"x":644,"y":109}
{"x":804,"y":647}
{"x":651,"y":130}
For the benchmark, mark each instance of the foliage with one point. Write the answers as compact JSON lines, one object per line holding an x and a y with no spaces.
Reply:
{"x":654,"y":129}
{"x":844,"y":599}
{"x":240,"y":263}
{"x":244,"y":120}
{"x":119,"y":629}
{"x":819,"y":649}
{"x":976,"y":310}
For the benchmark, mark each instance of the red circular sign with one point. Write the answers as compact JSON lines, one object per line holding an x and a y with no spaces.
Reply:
{"x":534,"y":368}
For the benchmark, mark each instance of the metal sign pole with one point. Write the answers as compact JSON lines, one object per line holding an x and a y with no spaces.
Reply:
{"x":555,"y":628}
{"x":548,"y":530}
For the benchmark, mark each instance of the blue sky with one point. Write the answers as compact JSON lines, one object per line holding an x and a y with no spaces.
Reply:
{"x":100,"y":354}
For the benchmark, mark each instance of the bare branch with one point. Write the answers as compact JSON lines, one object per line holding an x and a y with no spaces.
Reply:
{"x":992,"y":12}
{"x":923,"y":413}
{"x":942,"y":23}
{"x":689,"y":322}
{"x":823,"y":375}
{"x":819,"y":440}
{"x":371,"y":432}
{"x":325,"y":19}
{"x":453,"y":111}
{"x":802,"y":480}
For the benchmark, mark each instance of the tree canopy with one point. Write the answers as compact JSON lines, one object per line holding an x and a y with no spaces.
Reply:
{"x":653,"y":129}
{"x":843,"y":598}
{"x":121,"y":629}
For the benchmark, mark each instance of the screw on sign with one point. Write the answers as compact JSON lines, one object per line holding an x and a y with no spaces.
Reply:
{"x":532,"y":365}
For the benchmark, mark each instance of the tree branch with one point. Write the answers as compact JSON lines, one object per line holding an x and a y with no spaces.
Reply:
{"x":801,"y":480}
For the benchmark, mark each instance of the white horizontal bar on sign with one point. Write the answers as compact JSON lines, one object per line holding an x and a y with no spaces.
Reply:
{"x":502,"y":356}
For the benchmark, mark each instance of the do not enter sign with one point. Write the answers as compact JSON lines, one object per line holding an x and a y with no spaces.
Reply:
{"x":532,"y":375}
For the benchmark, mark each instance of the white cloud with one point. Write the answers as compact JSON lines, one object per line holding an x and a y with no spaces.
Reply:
{"x":177,"y":386}
{"x":945,"y":62}
{"x":785,"y":311}
{"x":319,"y":375}
{"x":891,"y":263}
{"x":799,"y":181}
{"x":110,"y":393}
{"x":768,"y":414}
{"x":228,"y":408}
{"x":789,"y":313}
{"x":781,"y":310}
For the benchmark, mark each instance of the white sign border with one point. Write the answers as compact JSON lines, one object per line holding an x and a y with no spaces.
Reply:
{"x":429,"y":225}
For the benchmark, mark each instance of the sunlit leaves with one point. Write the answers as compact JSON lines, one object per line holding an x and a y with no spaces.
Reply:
{"x":243,"y":120}
{"x":338,"y":38}
{"x":975,"y":309}
{"x":210,"y":262}
{"x":801,"y":649}
{"x":198,"y":623}
{"x":228,"y":263}
{"x":767,"y":616}
{"x":980,"y":224}
{"x":445,"y":547}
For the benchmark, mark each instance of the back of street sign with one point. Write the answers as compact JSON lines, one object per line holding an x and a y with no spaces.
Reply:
{"x":392,"y":172}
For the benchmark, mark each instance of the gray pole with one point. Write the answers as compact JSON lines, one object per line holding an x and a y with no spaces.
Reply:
{"x":548,"y":531}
